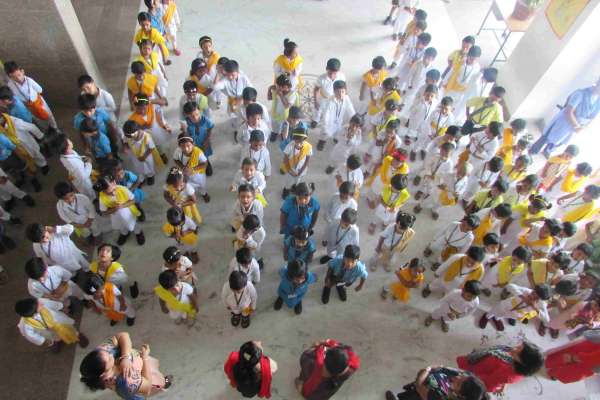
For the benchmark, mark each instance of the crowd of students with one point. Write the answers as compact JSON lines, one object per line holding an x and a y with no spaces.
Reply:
{"x":419,"y":140}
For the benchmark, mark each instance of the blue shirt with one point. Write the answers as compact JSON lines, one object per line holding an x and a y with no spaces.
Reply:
{"x":298,"y":215}
{"x":6,"y":147}
{"x":347,"y":276}
{"x":100,"y":146}
{"x":295,"y":253}
{"x":19,"y":109}
{"x":102,"y":118}
{"x":157,"y":21}
{"x":199,"y":131}
{"x":289,"y":292}
{"x":130,"y":179}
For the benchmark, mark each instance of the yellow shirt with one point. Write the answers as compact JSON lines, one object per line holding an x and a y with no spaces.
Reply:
{"x":393,"y":199}
{"x":491,"y":114}
{"x":155,"y":37}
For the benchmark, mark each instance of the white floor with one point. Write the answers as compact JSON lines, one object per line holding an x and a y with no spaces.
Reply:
{"x":390,"y":338}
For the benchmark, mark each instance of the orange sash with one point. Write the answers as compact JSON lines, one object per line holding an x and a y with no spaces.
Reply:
{"x":37,"y":108}
{"x":109,"y":302}
{"x":144,"y":121}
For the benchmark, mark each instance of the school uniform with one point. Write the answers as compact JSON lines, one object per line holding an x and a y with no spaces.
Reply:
{"x":56,"y":276}
{"x":147,"y":168}
{"x":185,"y":291}
{"x":61,"y":250}
{"x":199,"y":132}
{"x":393,"y":242}
{"x":279,"y":111}
{"x":338,"y":238}
{"x":113,"y":291}
{"x":343,"y":276}
{"x":297,"y":158}
{"x":198,"y":178}
{"x":283,"y":65}
{"x":345,"y":147}
{"x":254,"y":242}
{"x":188,"y":240}
{"x":476,"y":87}
{"x":154,"y":65}
{"x":79,"y":172}
{"x":502,"y":274}
{"x":335,"y":115}
{"x":458,"y":80}
{"x":488,"y":224}
{"x":182,"y":196}
{"x":436,"y":172}
{"x":233,"y":89}
{"x":475,"y":180}
{"x":29,"y":91}
{"x":240,"y":212}
{"x":78,"y":213}
{"x":576,"y":210}
{"x":355,"y":176}
{"x":8,"y":190}
{"x":114,"y":273}
{"x":481,"y":149}
{"x":19,"y":110}
{"x":252,"y":270}
{"x":262,"y":158}
{"x":37,"y":331}
{"x":514,"y":307}
{"x":123,"y":220}
{"x":243,"y":303}
{"x":403,"y":17}
{"x":454,"y":303}
{"x":199,"y":99}
{"x":149,"y":122}
{"x":106,"y":102}
{"x":520,"y":213}
{"x":171,"y":21}
{"x":391,"y":202}
{"x":335,"y":208}
{"x":451,"y":241}
{"x":382,"y":176}
{"x":295,"y":253}
{"x":298,"y":215}
{"x":325,"y":85}
{"x":26,"y":134}
{"x":435,"y":126}
{"x":406,"y":56}
{"x":289,"y":292}
{"x":181,"y":271}
{"x":380,"y":148}
{"x":258,"y":181}
{"x":452,"y":274}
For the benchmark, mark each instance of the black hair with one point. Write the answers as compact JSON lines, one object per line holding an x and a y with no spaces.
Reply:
{"x":62,"y":141}
{"x":167,"y":279}
{"x":495,"y":128}
{"x":421,"y":25}
{"x":530,"y":361}
{"x":238,"y":280}
{"x":145,"y":42}
{"x":175,"y":175}
{"x":491,"y":239}
{"x":83,"y":79}
{"x":392,"y":125}
{"x":447,"y":101}
{"x":503,"y":210}
{"x":495,"y":164}
{"x":137,"y":67}
{"x":473,"y":388}
{"x":295,"y":112}
{"x":377,"y":63}
{"x":196,"y":65}
{"x":353,"y":162}
{"x":339,"y":85}
{"x":144,"y":16}
{"x":405,"y":220}
{"x":469,"y":39}
{"x":501,"y":184}
{"x":296,"y":269}
{"x":35,"y":268}
{"x":572,"y":149}
{"x":474,"y":51}
{"x":103,"y":182}
{"x":593,"y":191}
{"x":473,"y":287}
{"x":91,"y":283}
{"x":347,"y":187}
{"x":433,"y":74}
{"x":430,"y":52}
{"x":356,"y":119}
{"x":518,"y":124}
{"x":175,"y":216}
{"x":389,"y":83}
{"x":553,"y":225}
{"x":222,"y":61}
{"x":88,"y":125}
{"x":431,"y":89}
{"x":583,"y":168}
{"x":498,"y":91}
{"x":301,"y":189}
{"x":352,"y":251}
{"x":476,"y":253}
{"x":585,"y":248}
{"x":189,"y":107}
{"x":349,"y":215}
{"x":253,"y":109}
{"x":35,"y":232}
{"x":288,"y":47}
{"x":524,"y":158}
{"x":189,"y":85}
{"x":420,"y":15}
{"x":243,"y":256}
{"x":246,"y":187}
{"x":6,"y":93}
{"x":86,"y":101}
{"x":561,"y":258}
{"x":247,"y":378}
{"x":472,"y":220}
{"x":251,"y":222}
{"x":26,"y":308}
{"x":522,"y":253}
{"x":257,"y":135}
{"x":333,"y":64}
{"x":10,"y":67}
{"x":490,"y":74}
{"x":249,"y":94}
{"x":452,"y":130}
{"x":300,"y":233}
{"x":141,"y":99}
{"x":115,"y":250}
{"x":543,"y":291}
{"x":532,"y":179}
{"x":130,"y":127}
{"x":391,"y":105}
{"x":231,"y":66}
{"x":63,"y":188}
{"x":91,"y":368}
{"x":284,"y":80}
{"x":248,"y":161}
{"x":399,"y":182}
{"x":566,"y":287}
{"x":336,"y":360}
{"x":424,"y":38}
{"x":171,"y":254}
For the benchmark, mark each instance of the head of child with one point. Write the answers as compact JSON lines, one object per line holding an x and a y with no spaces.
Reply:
{"x":176,"y":179}
{"x":87,"y":104}
{"x":145,"y":21}
{"x":429,"y":56}
{"x":541,"y":292}
{"x":558,"y":261}
{"x":89,"y":128}
{"x":527,"y":184}
{"x":538,"y":203}
{"x":254,"y":114}
{"x":168,"y":280}
{"x":36,"y":269}
{"x":221,"y":65}
{"x":141,"y":103}
{"x":93,"y":285}
{"x":302,"y":193}
{"x":336,"y":361}
{"x":65,"y":146}
{"x":339,"y":89}
{"x":351,"y":256}
{"x":354,"y":125}
{"x":300,"y":235}
{"x":299,"y":136}
{"x":251,"y":223}
{"x":27,"y":308}
{"x":430,"y":93}
{"x":294,"y":116}
{"x":391,"y":129}
{"x":499,"y":187}
{"x":185,"y":143}
{"x":248,"y":168}
{"x":474,"y":257}
{"x":190,"y":88}
{"x":521,"y":255}
{"x":296,"y":272}
{"x":473,"y":55}
{"x":333,"y":67}
{"x":432,"y":77}
{"x":493,"y":130}
{"x":404,"y":221}
{"x":570,"y":152}
{"x":172,"y":257}
{"x":244,"y":257}
{"x":231,"y":70}
{"x":192,"y":111}
{"x":64,"y":191}
{"x":491,"y":243}
{"x":378,"y":64}
{"x":522,"y":162}
{"x":389,"y":85}
{"x":416,"y":267}
{"x":591,"y":193}
{"x":6,"y":98}
{"x":589,"y":279}
{"x":146,"y":47}
{"x":138,"y":70}
{"x":14,"y":71}
{"x":423,"y":40}
{"x":517,"y":126}
{"x":522,"y":146}
{"x":501,"y":211}
{"x":466,"y":44}
{"x":198,"y":69}
{"x":446,"y":150}
{"x":175,"y":216}
{"x":107,"y":184}
{"x":284,"y":84}
{"x":583,"y":169}
{"x":497,"y":94}
{"x":471,"y":290}
{"x":446,"y":105}
{"x":469,"y":223}
{"x":249,"y":95}
{"x":86,"y":85}
{"x":346,"y":191}
{"x":551,"y":227}
{"x":206,"y":45}
{"x":582,"y":252}
{"x":399,"y":182}
{"x":132,"y":130}
{"x":353,"y":162}
{"x":568,"y":229}
{"x":390,"y":108}
{"x":108,"y":253}
{"x":246,"y":194}
{"x":290,"y":49}
{"x":238,"y":281}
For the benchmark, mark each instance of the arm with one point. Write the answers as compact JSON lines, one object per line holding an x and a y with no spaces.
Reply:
{"x":361,"y":284}
{"x":282,"y":221}
{"x":305,"y":166}
{"x":313,"y":221}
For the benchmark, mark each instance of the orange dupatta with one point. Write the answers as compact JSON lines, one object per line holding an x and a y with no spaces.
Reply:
{"x":108,"y":295}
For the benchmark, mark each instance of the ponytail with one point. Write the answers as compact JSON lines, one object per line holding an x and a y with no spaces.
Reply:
{"x":245,"y":373}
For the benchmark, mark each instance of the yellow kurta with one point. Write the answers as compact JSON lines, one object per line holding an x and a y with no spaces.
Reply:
{"x":401,"y":292}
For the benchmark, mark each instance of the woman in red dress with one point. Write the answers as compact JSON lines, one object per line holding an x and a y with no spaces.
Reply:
{"x":250,"y":371}
{"x":576,"y":360}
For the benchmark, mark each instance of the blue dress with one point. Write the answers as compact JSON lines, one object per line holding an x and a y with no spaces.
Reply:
{"x":289,"y":292}
{"x":129,"y":179}
{"x":19,"y":109}
{"x":298,"y":215}
{"x":295,"y":253}
{"x":587,"y":107}
{"x":199,"y":131}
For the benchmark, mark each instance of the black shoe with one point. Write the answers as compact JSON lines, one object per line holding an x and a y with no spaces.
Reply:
{"x":28,"y":200}
{"x":273,"y":137}
{"x":324,"y":259}
{"x":412,"y":156}
{"x":245,"y":321}
{"x":140,"y":238}
{"x":113,"y":323}
{"x":313,"y":124}
{"x":206,"y":198}
{"x":417,"y":180}
{"x":15,"y":221}
{"x":37,"y":186}
{"x":387,"y":20}
{"x":9,"y":204}
{"x":83,"y":341}
{"x":130,"y":321}
{"x":487,"y":292}
{"x":393,"y":65}
{"x":278,"y":304}
{"x":261,"y":264}
{"x":426,"y":292}
{"x":122,"y":239}
{"x":235,"y":319}
{"x":511,"y":321}
{"x":285,"y":193}
{"x":8,"y":242}
{"x":312,"y":187}
{"x":422,"y":154}
{"x":209,"y":168}
{"x":45,"y":169}
{"x":389,"y":395}
{"x":168,"y":381}
{"x":298,"y":308}
{"x":142,"y":216}
{"x":235,"y":136}
{"x":329,"y":169}
{"x":321,"y":145}
{"x":325,"y":295}
{"x":150,"y":181}
{"x":341,"y":290}
{"x":134,"y":290}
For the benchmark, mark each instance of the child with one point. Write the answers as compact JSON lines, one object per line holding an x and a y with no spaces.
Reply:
{"x":371,"y":82}
{"x":343,"y":271}
{"x":523,"y":304}
{"x":25,"y":136}
{"x":290,"y":63}
{"x":249,"y":96}
{"x":405,"y":13}
{"x":456,"y":238}
{"x":482,"y":178}
{"x":43,"y":323}
{"x":436,"y":125}
{"x":432,"y":77}
{"x":479,"y":86}
{"x":347,"y":144}
{"x":141,"y":82}
{"x":209,"y":55}
{"x":51,"y":282}
{"x":415,"y":135}
{"x":393,"y":240}
{"x":547,"y":270}
{"x":460,"y":75}
{"x":293,"y":286}
{"x":556,"y":167}
{"x":282,"y":97}
{"x":514,"y":133}
{"x":579,"y":258}
{"x":570,"y":182}
{"x":511,"y":153}
{"x":99,"y":143}
{"x":339,"y":202}
{"x":388,"y":91}
{"x":109,"y":300}
{"x":456,"y":271}
{"x":323,"y":90}
{"x":76,"y":209}
{"x":248,"y":175}
{"x":438,"y":172}
{"x":146,"y":31}
{"x":153,"y":65}
{"x":193,"y":91}
{"x":149,"y":117}
{"x":457,"y":57}
{"x":410,"y":276}
{"x":246,"y":204}
{"x":539,"y":237}
{"x":299,"y":209}
{"x":520,"y":193}
{"x":156,"y":13}
{"x":109,"y":269}
{"x":254,"y":121}
{"x":577,"y":207}
{"x":337,"y":112}
{"x":251,"y":235}
{"x":104,"y":100}
{"x":16,"y":161}
{"x":491,"y":221}
{"x":9,"y":192}
{"x":172,"y":23}
{"x":191,"y":160}
{"x":199,"y":127}
{"x":507,"y":269}
{"x":179,"y":193}
{"x":118,"y":202}
{"x":457,"y":304}
{"x":412,"y":53}
{"x":567,"y":231}
{"x":384,"y":139}
{"x":54,"y":245}
{"x":516,"y":171}
{"x":144,"y":154}
{"x":482,"y":146}
{"x":523,"y":215}
{"x":245,"y":262}
{"x":232,"y":85}
{"x":489,"y":197}
{"x":176,"y":298}
{"x":350,"y":172}
{"x":393,"y":196}
{"x":176,"y":261}
{"x":79,"y":169}
{"x":483,"y":111}
{"x":14,"y":106}
{"x":131,"y":181}
{"x":258,"y":152}
{"x":239,"y":296}
{"x":296,"y":158}
{"x":183,"y":231}
{"x":408,"y":42}
{"x":299,"y":246}
{"x":392,"y":164}
{"x":30,"y":93}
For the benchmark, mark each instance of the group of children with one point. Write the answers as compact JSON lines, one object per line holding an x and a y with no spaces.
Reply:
{"x":416,"y":137}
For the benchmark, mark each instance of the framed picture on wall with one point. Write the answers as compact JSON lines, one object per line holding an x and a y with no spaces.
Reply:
{"x":561,"y":14}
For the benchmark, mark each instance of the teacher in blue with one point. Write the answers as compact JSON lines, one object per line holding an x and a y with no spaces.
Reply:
{"x":583,"y":105}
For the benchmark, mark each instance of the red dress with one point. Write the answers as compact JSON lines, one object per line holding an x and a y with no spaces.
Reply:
{"x":588,"y":354}
{"x":265,"y":373}
{"x":493,"y":372}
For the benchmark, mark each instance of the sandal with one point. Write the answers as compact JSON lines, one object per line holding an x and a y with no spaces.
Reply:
{"x":168,"y":381}
{"x":245,"y":321}
{"x":235,"y":319}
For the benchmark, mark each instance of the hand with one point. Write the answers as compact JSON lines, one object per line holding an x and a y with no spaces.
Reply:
{"x":145,"y":351}
{"x":358,"y":288}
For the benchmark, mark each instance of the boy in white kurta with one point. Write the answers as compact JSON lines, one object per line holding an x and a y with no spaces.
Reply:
{"x":76,"y":209}
{"x":484,"y":145}
{"x":456,"y":271}
{"x":414,"y":136}
{"x":336,"y":113}
{"x":251,"y":235}
{"x":239,"y":296}
{"x":350,"y":171}
{"x":53,"y":244}
{"x":323,"y":90}
{"x":248,"y":175}
{"x":9,"y":192}
{"x":253,"y":121}
{"x":245,"y":262}
{"x":258,"y":152}
{"x":337,"y":237}
{"x":79,"y":169}
{"x":406,"y":10}
{"x":437,"y":172}
{"x":456,"y":304}
{"x":435,"y":127}
{"x":232,"y":85}
{"x":455,"y":238}
{"x":50,"y":282}
{"x":104,"y":100}
{"x":26,"y":134}
{"x":181,"y":304}
{"x":483,"y":178}
{"x":416,"y":73}
{"x":347,"y":144}
{"x":249,"y":96}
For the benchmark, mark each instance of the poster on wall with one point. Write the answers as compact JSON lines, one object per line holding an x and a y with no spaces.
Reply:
{"x":561,"y":14}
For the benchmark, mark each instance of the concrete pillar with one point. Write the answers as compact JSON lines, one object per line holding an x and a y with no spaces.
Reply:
{"x":543,"y":69}
{"x":46,"y":39}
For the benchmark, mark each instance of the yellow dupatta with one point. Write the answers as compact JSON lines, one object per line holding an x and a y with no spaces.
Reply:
{"x":154,"y":36}
{"x":539,"y":242}
{"x":193,"y":162}
{"x":376,"y":106}
{"x":571,"y":183}
{"x":169,"y":12}
{"x":512,"y":174}
{"x":190,"y":238}
{"x":506,"y":271}
{"x":109,"y":272}
{"x":296,"y":158}
{"x":11,"y":133}
{"x":381,"y":126}
{"x":584,"y":211}
{"x":138,"y":152}
{"x":144,"y":121}
{"x":109,"y":303}
{"x":394,"y":202}
{"x":150,"y":66}
{"x":172,"y":302}
{"x":191,"y":210}
{"x":539,"y":270}
{"x":148,"y":85}
{"x":484,"y":227}
{"x":66,"y":333}
{"x":508,"y":137}
{"x":523,"y":210}
{"x":212,"y":60}
{"x":203,"y":90}
{"x":290,"y":65}
{"x":455,"y":271}
{"x":120,"y":197}
{"x":374,"y":81}
{"x":385,"y":171}
{"x":453,"y":84}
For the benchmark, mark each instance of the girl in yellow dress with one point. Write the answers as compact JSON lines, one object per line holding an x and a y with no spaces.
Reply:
{"x":410,"y":276}
{"x":290,"y":62}
{"x":371,"y":81}
{"x":178,"y":193}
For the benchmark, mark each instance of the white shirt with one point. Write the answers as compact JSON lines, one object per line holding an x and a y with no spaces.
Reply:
{"x":346,"y":146}
{"x":335,"y":208}
{"x":456,"y":303}
{"x":255,"y":240}
{"x":439,"y":169}
{"x":26,"y":91}
{"x":436,"y":122}
{"x":246,"y":129}
{"x":79,"y":212}
{"x":337,"y":112}
{"x":338,"y":238}
{"x":186,"y":290}
{"x":240,"y":112}
{"x":255,"y":208}
{"x":39,"y":336}
{"x":55,"y":276}
{"x":355,"y":176}
{"x":123,"y":217}
{"x":182,"y":158}
{"x":106,"y":102}
{"x":235,"y":87}
{"x":453,"y":236}
{"x":262,"y":158}
{"x":252,"y":270}
{"x":238,"y":302}
{"x":419,"y":113}
{"x":416,"y":74}
{"x":325,"y":84}
{"x":290,"y":150}
{"x":76,"y":167}
{"x":390,"y":237}
{"x":489,"y":147}
{"x":60,"y":250}
{"x":258,"y":181}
